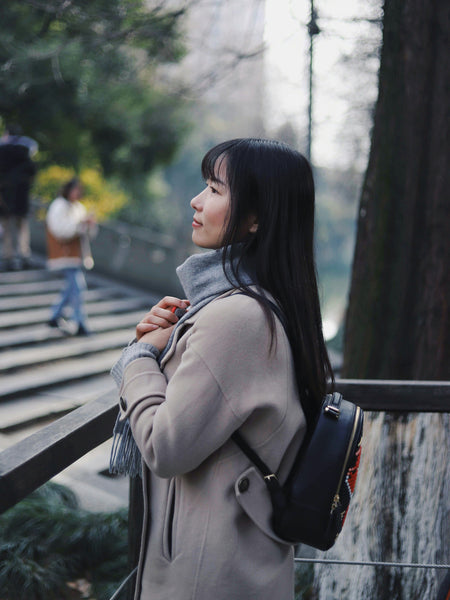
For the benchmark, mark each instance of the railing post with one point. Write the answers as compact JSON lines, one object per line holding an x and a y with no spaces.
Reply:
{"x":135,"y":517}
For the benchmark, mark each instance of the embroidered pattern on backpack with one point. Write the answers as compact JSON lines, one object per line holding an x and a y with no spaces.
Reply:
{"x":350,"y":480}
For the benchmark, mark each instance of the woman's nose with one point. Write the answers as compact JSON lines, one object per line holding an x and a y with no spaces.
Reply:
{"x":195,"y":202}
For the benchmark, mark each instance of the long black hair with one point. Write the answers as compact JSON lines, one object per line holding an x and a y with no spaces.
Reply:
{"x":274,"y":183}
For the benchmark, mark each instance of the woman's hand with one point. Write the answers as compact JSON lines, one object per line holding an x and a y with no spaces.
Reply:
{"x":157,"y":325}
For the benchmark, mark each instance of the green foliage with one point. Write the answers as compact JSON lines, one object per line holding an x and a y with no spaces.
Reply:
{"x":304,"y":579}
{"x":80,"y":78}
{"x":47,"y":540}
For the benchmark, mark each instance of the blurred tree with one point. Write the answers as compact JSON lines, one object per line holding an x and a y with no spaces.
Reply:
{"x":81,"y":78}
{"x":398,"y":320}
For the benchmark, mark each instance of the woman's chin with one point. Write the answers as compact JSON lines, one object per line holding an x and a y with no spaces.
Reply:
{"x":202,"y":243}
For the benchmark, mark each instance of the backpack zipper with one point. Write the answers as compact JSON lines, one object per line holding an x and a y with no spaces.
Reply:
{"x":336,"y":498}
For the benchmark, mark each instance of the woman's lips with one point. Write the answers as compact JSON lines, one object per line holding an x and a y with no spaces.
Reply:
{"x":195,"y":223}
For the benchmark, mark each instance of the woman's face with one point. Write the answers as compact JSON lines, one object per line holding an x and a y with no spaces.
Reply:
{"x":75,"y":193}
{"x":212,"y":208}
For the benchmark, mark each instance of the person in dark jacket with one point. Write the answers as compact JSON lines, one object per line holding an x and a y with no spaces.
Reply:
{"x":16,"y":175}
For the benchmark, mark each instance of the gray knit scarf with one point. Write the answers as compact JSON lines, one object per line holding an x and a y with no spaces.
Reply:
{"x":203,"y":279}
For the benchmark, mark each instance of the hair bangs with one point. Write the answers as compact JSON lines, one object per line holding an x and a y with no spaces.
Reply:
{"x":211,"y":164}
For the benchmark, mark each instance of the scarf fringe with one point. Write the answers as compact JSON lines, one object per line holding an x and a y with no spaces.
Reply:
{"x":125,"y":457}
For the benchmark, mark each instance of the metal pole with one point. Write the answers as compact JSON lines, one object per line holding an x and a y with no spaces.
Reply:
{"x":313,"y":29}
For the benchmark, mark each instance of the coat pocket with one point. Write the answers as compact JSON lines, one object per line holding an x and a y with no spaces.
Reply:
{"x":253,"y":496}
{"x":168,"y":536}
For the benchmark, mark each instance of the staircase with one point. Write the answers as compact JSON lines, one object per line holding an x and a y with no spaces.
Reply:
{"x":46,"y":373}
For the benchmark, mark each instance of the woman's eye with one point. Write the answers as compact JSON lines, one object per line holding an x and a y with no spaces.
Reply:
{"x":213,"y":189}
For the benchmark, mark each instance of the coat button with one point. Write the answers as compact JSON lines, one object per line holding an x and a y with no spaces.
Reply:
{"x":244,"y":484}
{"x":123,"y":403}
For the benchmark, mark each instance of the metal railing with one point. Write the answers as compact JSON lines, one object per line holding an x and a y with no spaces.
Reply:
{"x":33,"y":461}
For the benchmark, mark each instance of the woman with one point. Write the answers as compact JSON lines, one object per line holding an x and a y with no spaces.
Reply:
{"x":68,"y":226}
{"x":226,"y":364}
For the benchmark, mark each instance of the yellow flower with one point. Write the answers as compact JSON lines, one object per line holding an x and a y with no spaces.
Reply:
{"x":100,"y":197}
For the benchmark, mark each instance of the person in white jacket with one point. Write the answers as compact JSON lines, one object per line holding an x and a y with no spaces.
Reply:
{"x":67,"y":224}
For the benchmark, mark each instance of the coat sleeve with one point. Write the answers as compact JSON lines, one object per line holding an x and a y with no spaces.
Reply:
{"x":217,"y":386}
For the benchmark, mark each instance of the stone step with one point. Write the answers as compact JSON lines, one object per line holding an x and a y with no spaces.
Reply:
{"x":34,"y":287}
{"x":21,"y":318}
{"x":41,"y":377}
{"x":54,"y":402}
{"x":57,"y":350}
{"x":34,"y":277}
{"x":46,"y":374}
{"x":55,"y":283}
{"x":27,"y":276}
{"x":95,"y":491}
{"x":47,"y":299}
{"x":35,"y":334}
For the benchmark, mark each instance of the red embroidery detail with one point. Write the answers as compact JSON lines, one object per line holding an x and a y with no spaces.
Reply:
{"x":353,"y":471}
{"x":350,"y":480}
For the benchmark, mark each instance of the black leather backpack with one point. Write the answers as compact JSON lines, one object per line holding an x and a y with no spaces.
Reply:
{"x":311,"y":506}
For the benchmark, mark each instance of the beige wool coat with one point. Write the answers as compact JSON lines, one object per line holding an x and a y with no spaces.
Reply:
{"x":206,"y":532}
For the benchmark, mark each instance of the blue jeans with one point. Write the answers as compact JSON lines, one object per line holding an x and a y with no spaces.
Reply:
{"x":72,"y":295}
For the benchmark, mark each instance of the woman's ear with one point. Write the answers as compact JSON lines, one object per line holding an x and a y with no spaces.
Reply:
{"x":253,"y":224}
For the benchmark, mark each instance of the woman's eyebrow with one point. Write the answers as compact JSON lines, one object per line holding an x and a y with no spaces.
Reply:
{"x":217,"y":180}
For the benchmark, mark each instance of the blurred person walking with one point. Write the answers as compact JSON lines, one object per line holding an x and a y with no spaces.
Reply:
{"x":68,"y":230}
{"x":16,"y":175}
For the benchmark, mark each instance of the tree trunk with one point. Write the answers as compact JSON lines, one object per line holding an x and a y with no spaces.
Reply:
{"x":398,"y":322}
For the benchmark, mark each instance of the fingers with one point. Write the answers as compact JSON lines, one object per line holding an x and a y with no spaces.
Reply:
{"x":171,"y":301}
{"x":143,"y":328}
{"x":164,"y":317}
{"x":158,"y":338}
{"x":163,"y":311}
{"x":161,"y":315}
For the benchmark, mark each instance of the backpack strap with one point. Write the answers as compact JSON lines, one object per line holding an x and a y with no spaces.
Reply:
{"x":246,"y":449}
{"x":270,"y":477}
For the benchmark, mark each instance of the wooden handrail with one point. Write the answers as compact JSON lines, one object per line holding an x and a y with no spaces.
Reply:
{"x":36,"y":459}
{"x":392,"y":395}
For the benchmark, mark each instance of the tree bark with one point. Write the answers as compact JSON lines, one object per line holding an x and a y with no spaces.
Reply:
{"x":397,"y":324}
{"x":398,"y":321}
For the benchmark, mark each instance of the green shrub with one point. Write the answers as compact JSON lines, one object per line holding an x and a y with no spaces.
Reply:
{"x":47,"y":541}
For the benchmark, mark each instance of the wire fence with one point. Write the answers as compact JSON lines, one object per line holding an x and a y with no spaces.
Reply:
{"x":370,"y":563}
